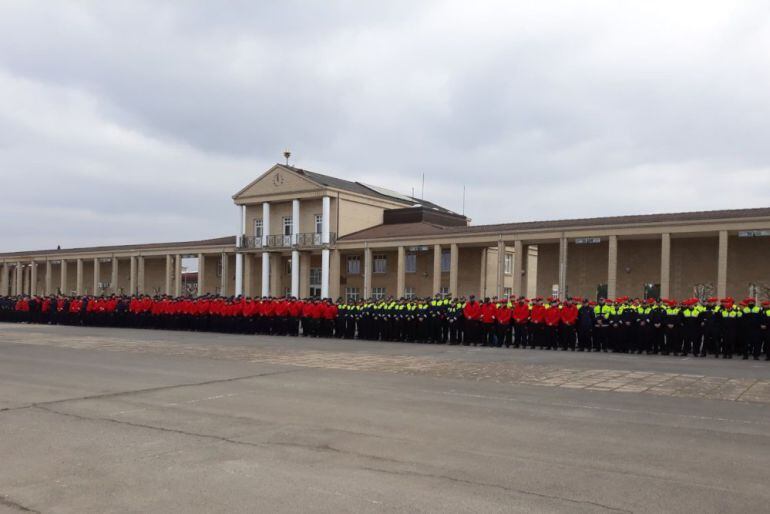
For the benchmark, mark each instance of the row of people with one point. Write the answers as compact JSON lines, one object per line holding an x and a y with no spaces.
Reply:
{"x":712,"y":327}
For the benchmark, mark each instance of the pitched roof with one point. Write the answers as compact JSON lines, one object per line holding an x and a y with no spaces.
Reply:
{"x":429,"y":229}
{"x":362,"y":189}
{"x":219,"y":241}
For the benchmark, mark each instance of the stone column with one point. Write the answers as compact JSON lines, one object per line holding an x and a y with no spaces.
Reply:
{"x":334,"y":274}
{"x":401,"y":272}
{"x":169,"y":273}
{"x":612,"y":268}
{"x":563,"y":245}
{"x":367,"y":273}
{"x":295,"y":271}
{"x":63,"y":286}
{"x":201,"y":274}
{"x":436,"y":269}
{"x":265,"y":224}
{"x":132,"y":276}
{"x":265,"y":274}
{"x":325,"y":220}
{"x":483,"y":281}
{"x":19,"y":278}
{"x":4,"y":280}
{"x":248,"y":274}
{"x":33,"y":278}
{"x":518,"y":267}
{"x":238,"y":255}
{"x":79,"y":277}
{"x":224,"y":282}
{"x":665,"y":265}
{"x":48,"y":278}
{"x":722,"y":265}
{"x":140,"y":275}
{"x":325,"y":264}
{"x":454,"y":259}
{"x":177,"y":275}
{"x":114,"y":276}
{"x":294,"y":221}
{"x":97,"y":276}
{"x":500,"y":269}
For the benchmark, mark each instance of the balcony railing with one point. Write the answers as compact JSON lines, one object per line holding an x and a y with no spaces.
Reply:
{"x":279,"y":241}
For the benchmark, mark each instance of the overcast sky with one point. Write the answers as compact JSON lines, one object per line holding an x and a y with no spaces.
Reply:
{"x":133,"y":121}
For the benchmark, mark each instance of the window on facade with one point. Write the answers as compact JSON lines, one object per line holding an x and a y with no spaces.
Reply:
{"x":315,"y":277}
{"x":354,"y":265}
{"x":380,"y":264}
{"x":444,"y":292}
{"x":351,"y":294}
{"x":411,"y":263}
{"x":507,"y":292}
{"x":508,"y":263}
{"x":288,"y":267}
{"x":288,"y":225}
{"x":409,"y":293}
{"x":287,"y":291}
{"x":446,"y":261}
{"x":258,"y":228}
{"x":378,"y":293}
{"x":319,"y":223}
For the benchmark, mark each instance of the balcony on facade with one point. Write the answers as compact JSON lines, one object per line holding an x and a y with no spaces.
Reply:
{"x":286,"y":242}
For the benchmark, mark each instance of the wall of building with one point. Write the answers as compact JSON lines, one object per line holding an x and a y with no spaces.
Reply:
{"x":748,"y":263}
{"x":355,"y":216}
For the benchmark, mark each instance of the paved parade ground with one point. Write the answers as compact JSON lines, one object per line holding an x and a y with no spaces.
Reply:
{"x":111,"y":420}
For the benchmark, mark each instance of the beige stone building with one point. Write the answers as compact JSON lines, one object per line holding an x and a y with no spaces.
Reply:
{"x":306,"y":234}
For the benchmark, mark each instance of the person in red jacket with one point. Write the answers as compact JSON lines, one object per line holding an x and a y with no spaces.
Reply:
{"x":520,"y":322}
{"x":488,"y":318}
{"x":472,"y":315}
{"x":569,"y":314}
{"x":552,"y":322}
{"x":328,"y":317}
{"x":536,"y":323}
{"x":504,"y":313}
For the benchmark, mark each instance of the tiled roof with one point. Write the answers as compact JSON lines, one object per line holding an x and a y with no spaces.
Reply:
{"x":357,"y":187}
{"x":429,"y":229}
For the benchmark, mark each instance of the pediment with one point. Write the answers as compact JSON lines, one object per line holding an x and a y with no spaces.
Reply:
{"x":277,"y":180}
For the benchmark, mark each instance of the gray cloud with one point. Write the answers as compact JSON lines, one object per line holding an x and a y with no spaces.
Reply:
{"x":136,"y":121}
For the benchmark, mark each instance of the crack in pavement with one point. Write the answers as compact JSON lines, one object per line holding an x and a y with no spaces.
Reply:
{"x":148,"y":390}
{"x":11,"y":504}
{"x":497,"y":486}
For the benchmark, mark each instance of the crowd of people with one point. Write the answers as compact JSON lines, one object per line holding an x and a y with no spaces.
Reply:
{"x":717,"y":327}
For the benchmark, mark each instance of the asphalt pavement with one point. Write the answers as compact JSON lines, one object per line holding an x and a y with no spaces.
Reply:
{"x":111,"y":420}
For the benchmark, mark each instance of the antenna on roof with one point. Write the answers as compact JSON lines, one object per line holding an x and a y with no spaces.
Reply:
{"x":422,"y":193}
{"x":286,"y":155}
{"x":463,"y":199}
